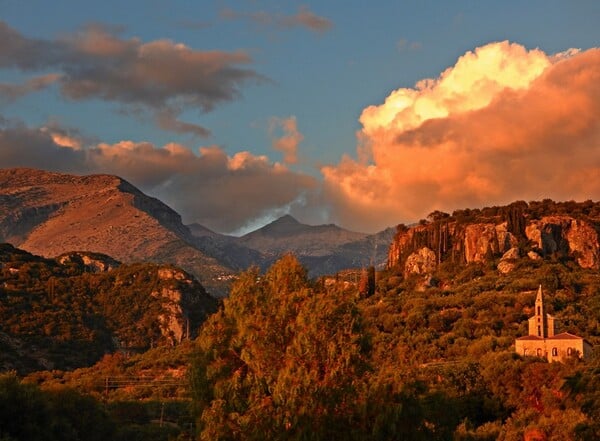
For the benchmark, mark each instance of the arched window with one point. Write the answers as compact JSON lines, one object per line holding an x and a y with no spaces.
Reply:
{"x":539,"y":352}
{"x":555,"y":352}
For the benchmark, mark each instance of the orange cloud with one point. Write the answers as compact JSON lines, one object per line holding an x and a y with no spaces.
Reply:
{"x":503,"y":123}
{"x":289,"y":140}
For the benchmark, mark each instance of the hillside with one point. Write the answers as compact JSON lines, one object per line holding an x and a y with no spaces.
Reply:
{"x":51,"y":213}
{"x":68,"y":312}
{"x":420,"y":362}
{"x":409,"y":362}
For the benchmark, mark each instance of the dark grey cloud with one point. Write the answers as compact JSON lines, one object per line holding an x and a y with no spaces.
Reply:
{"x":158,"y":76}
{"x":22,"y":146}
{"x":167,"y":119}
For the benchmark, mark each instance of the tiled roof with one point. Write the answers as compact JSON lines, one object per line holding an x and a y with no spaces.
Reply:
{"x":530,"y":337}
{"x":565,"y":336}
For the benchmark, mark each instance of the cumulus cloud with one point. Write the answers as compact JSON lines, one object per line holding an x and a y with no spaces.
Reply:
{"x":159,"y":76}
{"x":224,"y":193}
{"x":503,"y":123}
{"x":289,"y":139}
{"x":304,"y":18}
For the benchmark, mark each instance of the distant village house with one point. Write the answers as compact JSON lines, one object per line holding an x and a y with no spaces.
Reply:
{"x":543,"y":341}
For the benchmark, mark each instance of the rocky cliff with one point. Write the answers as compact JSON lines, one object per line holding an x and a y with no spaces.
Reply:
{"x":536,"y":230}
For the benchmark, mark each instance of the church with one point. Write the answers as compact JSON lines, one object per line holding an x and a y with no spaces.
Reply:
{"x":543,"y":341}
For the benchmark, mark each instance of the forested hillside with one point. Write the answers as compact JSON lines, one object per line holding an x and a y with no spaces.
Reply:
{"x":290,"y":358}
{"x":68,"y":312}
{"x":287,"y":359}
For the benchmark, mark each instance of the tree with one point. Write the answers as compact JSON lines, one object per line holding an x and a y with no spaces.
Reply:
{"x":280,"y":357}
{"x":366,"y":284}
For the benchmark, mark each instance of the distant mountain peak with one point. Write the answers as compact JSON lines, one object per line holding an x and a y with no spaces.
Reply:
{"x":287,"y":219}
{"x":285,"y":225}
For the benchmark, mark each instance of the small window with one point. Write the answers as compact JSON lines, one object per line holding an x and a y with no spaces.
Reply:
{"x":569,"y":351}
{"x":555,"y":352}
{"x":539,"y":310}
{"x":539,"y":352}
{"x":539,"y":331}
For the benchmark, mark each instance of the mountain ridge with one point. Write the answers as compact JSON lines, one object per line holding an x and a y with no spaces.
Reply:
{"x":286,"y":234}
{"x":52,"y":213}
{"x":323,"y":249}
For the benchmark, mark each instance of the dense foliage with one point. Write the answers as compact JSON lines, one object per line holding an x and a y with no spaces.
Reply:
{"x":368,"y":357}
{"x":28,"y":413}
{"x":288,"y":359}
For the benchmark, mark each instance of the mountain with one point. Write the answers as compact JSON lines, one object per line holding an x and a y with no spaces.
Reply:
{"x":226,"y":249}
{"x":52,"y":213}
{"x":501,"y":235}
{"x":286,"y":234}
{"x":323,"y":249}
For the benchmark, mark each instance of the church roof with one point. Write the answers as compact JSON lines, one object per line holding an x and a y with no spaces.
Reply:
{"x":561,"y":336}
{"x":565,"y":336}
{"x":531,"y":337}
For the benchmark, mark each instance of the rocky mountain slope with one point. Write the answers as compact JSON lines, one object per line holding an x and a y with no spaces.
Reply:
{"x":287,"y":234}
{"x":538,"y":230}
{"x":51,"y":213}
{"x":323,"y":249}
{"x":68,"y":312}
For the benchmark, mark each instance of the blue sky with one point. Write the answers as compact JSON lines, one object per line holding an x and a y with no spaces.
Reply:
{"x":321,"y":63}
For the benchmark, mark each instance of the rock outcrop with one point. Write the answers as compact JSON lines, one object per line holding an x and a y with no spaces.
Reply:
{"x":92,"y":262}
{"x":507,"y":262}
{"x":566,"y":235}
{"x":422,"y":261}
{"x":504,"y":233}
{"x":183,"y":303}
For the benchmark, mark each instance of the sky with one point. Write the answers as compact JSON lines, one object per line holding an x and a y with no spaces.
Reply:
{"x":235,"y":113}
